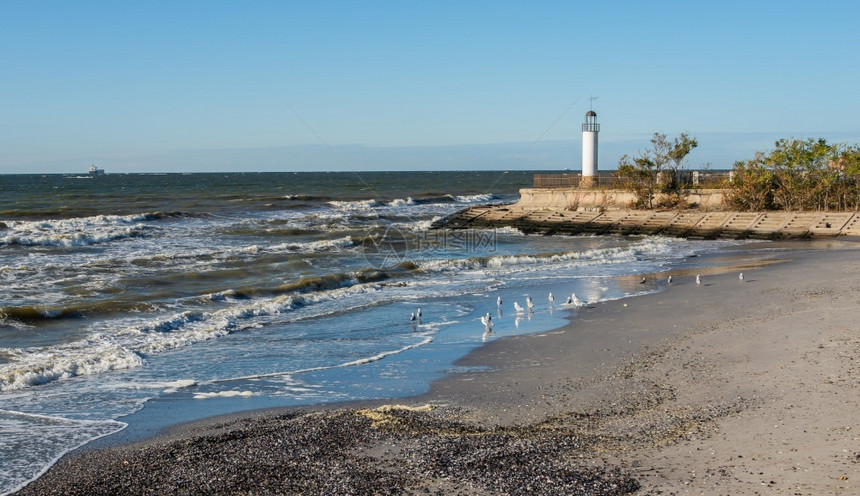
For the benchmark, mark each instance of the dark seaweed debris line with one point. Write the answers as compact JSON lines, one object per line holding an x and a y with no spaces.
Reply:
{"x":385,"y":451}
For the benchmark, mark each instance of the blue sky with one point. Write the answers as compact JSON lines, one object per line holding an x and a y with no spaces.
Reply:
{"x":180,"y":85}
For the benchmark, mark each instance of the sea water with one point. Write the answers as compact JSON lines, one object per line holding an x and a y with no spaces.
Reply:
{"x":124,"y":292}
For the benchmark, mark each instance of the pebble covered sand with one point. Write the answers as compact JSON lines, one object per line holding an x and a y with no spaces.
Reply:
{"x":728,"y":387}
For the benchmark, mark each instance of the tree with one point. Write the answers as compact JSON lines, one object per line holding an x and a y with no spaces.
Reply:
{"x":798,"y":175}
{"x":657,"y":170}
{"x":751,"y":186}
{"x":675,"y":153}
{"x":640,"y":176}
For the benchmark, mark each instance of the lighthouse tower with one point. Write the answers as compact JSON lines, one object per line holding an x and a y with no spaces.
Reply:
{"x":590,"y":128}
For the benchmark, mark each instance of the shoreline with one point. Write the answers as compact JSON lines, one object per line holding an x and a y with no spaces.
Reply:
{"x":681,"y":394}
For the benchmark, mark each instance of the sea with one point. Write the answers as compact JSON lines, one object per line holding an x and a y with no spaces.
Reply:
{"x":133,"y":302}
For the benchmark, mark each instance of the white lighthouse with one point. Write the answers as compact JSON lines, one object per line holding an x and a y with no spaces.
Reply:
{"x":590,"y":128}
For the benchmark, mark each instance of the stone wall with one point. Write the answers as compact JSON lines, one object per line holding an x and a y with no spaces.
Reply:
{"x":604,"y":199}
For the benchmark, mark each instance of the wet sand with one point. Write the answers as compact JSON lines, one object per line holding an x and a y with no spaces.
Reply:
{"x":730,"y":387}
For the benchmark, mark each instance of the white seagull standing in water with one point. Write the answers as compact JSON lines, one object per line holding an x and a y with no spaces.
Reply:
{"x":418,"y":314}
{"x":499,"y":301}
{"x":576,"y":301}
{"x":551,"y":300}
{"x":698,"y":280}
{"x":529,"y":303}
{"x":517,"y":307}
{"x":487,"y":320}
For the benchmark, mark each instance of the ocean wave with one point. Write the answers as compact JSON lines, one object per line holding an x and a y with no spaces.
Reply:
{"x":480,"y":198}
{"x":308,"y":198}
{"x":135,"y":338}
{"x":316,"y":246}
{"x":35,"y":313}
{"x":36,"y":366}
{"x":81,"y":231}
{"x":646,"y":248}
{"x":355,"y":204}
{"x":399,"y":202}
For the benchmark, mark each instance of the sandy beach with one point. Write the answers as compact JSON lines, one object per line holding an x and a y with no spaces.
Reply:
{"x":728,"y":387}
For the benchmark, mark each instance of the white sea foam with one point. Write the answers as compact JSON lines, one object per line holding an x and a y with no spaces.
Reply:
{"x":509,"y":231}
{"x":399,"y":202}
{"x":47,"y":439}
{"x":172,"y":387}
{"x":480,"y":198}
{"x":361,"y":361}
{"x":355,"y":205}
{"x":32,"y":367}
{"x":83,"y":231}
{"x":225,"y":394}
{"x":315,"y":246}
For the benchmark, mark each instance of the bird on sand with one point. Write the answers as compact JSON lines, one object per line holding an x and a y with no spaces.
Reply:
{"x":576,"y":301}
{"x":698,"y":280}
{"x":741,"y":277}
{"x":669,"y":280}
{"x":642,"y":281}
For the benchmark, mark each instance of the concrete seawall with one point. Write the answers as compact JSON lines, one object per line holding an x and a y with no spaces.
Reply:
{"x":681,"y":223}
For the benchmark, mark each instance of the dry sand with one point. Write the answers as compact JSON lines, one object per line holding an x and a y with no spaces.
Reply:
{"x":731,"y":387}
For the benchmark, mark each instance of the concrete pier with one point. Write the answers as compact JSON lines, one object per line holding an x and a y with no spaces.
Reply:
{"x":680,"y":223}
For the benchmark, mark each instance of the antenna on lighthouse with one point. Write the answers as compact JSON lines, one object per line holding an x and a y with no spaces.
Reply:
{"x":591,"y":102}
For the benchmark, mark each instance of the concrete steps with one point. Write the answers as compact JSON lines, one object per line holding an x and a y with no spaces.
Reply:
{"x":696,"y":225}
{"x":831,"y":224}
{"x":852,"y":226}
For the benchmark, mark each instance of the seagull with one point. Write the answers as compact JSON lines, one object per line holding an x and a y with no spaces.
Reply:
{"x":576,"y":301}
{"x":741,"y":276}
{"x":569,"y":301}
{"x":412,"y":318}
{"x":487,"y":320}
{"x":551,"y":300}
{"x":642,"y":281}
{"x":499,"y":301}
{"x":698,"y":280}
{"x":529,"y":303}
{"x":517,"y":307}
{"x":418,"y":313}
{"x":669,"y":280}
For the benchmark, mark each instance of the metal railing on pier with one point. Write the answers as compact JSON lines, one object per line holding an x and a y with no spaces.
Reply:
{"x":611,"y":179}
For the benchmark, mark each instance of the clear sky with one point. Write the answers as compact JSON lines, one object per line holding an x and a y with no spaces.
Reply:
{"x":162,"y":85}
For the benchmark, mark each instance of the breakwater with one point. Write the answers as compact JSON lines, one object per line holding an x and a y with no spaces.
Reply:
{"x":680,"y":223}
